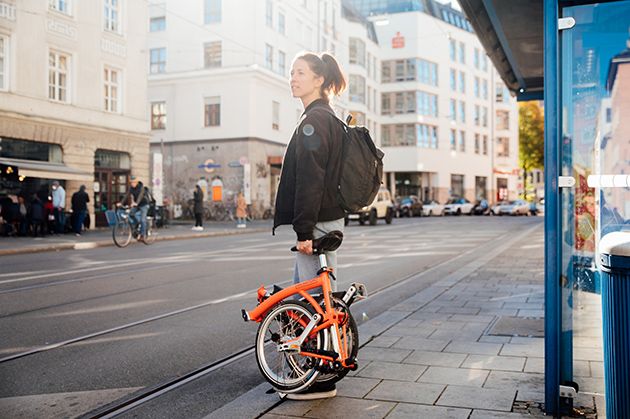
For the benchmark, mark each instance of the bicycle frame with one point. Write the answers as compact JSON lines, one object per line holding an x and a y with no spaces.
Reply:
{"x":329,"y":316}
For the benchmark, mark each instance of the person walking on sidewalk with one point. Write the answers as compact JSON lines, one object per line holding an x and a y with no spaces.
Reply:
{"x":37,"y":216}
{"x":80,"y":200}
{"x":307,"y":193}
{"x":241,"y":211}
{"x":59,"y":206}
{"x":198,"y":208}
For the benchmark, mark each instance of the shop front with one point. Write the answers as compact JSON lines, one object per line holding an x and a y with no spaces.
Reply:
{"x":111,"y":176}
{"x":576,"y":56}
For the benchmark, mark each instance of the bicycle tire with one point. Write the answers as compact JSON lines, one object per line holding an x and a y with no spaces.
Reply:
{"x":151,"y":233}
{"x":121,"y":233}
{"x":297,"y":375}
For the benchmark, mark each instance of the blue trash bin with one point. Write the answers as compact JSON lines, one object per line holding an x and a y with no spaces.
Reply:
{"x":614,"y":257}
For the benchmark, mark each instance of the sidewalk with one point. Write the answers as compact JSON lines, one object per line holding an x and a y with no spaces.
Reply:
{"x":469,"y":346}
{"x":102,"y":237}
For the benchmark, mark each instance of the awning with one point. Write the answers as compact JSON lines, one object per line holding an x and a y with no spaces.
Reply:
{"x":511,"y":32}
{"x":47,"y":170}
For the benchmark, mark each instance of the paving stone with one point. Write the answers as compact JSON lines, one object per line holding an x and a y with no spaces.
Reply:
{"x":294,"y":407}
{"x":591,"y":385}
{"x":409,"y":323}
{"x":503,"y":363}
{"x":487,"y":414}
{"x":421,"y":315}
{"x":582,"y":369}
{"x":454,"y":376}
{"x":465,"y":347}
{"x":342,"y":407}
{"x":410,"y":342}
{"x":536,"y":365}
{"x":415,"y":411}
{"x":495,"y":339}
{"x":531,"y":396}
{"x":362,"y":365}
{"x":499,"y":312}
{"x":519,"y":340}
{"x":477,"y":398}
{"x":588,"y":354}
{"x":459,"y":310}
{"x":531,"y":313}
{"x":383,"y":341}
{"x":435,"y":358}
{"x":516,"y":380}
{"x":520,"y":306}
{"x":445,"y":324}
{"x":383,"y":354}
{"x":465,"y":334}
{"x":392,"y":371}
{"x":399,"y":391}
{"x":472,"y":318}
{"x":420,"y":331}
{"x":597,"y":369}
{"x":531,"y":350}
{"x":272,"y":416}
{"x":356,"y":387}
{"x":485,"y":304}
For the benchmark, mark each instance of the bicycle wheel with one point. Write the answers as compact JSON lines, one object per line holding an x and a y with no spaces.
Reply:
{"x":121,"y":233}
{"x":287,"y":371}
{"x":151,"y":233}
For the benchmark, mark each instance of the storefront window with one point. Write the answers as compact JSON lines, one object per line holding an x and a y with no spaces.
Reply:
{"x":30,"y":150}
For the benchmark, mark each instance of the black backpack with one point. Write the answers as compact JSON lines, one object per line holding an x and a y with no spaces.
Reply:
{"x":361,"y":168}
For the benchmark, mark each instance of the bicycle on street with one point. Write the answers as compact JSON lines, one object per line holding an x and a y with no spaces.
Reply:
{"x":311,"y":339}
{"x":126,"y":225}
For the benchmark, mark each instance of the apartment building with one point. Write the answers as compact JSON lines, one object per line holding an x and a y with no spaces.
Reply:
{"x":72,"y":98}
{"x":221,"y":109}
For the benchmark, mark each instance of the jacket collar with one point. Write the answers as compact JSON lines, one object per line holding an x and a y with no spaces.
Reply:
{"x":317,"y":103}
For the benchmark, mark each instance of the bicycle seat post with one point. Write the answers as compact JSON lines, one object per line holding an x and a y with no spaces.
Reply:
{"x":323,"y":262}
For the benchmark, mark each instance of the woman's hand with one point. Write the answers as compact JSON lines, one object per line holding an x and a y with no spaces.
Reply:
{"x":305,"y":247}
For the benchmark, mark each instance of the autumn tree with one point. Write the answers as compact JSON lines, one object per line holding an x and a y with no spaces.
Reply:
{"x":531,"y":139}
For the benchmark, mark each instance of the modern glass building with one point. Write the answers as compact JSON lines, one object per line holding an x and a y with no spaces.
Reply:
{"x":576,"y":56}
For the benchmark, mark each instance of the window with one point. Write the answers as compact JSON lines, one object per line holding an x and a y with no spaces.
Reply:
{"x":453,"y":140}
{"x":477,"y":115}
{"x":476,"y":87}
{"x":499,"y":92}
{"x":357,"y":88}
{"x":409,"y":135}
{"x":411,"y":69}
{"x":484,"y":116}
{"x":369,"y":98}
{"x":386,"y":104}
{"x":269,"y":13}
{"x":503,"y":147}
{"x":111,"y":80}
{"x":112,"y":15}
{"x":158,"y":60}
{"x":357,"y":51}
{"x":4,"y":63}
{"x":62,"y":6}
{"x":503,"y":120}
{"x":282,"y":63}
{"x":485,"y":145}
{"x":158,"y":115}
{"x":275,"y":115}
{"x":477,"y":144}
{"x":476,"y":58}
{"x":453,"y":80}
{"x":281,"y":23}
{"x":426,"y":104}
{"x":457,"y":185}
{"x":58,"y":77}
{"x":462,"y":53}
{"x":484,"y":89}
{"x":452,"y":47}
{"x":369,"y":65}
{"x":14,"y":148}
{"x":462,"y":82}
{"x":212,"y":54}
{"x":212,"y":11}
{"x":462,"y":141}
{"x":157,"y":24}
{"x":386,"y":72}
{"x":453,"y":108}
{"x":269,"y":56}
{"x":426,"y":136}
{"x":212,"y":111}
{"x":462,"y":111}
{"x":484,"y":62}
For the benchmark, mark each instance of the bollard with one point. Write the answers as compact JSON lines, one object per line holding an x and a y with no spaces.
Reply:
{"x":614,"y":257}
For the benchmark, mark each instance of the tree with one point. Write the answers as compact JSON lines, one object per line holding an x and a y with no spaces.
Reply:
{"x":531,"y":139}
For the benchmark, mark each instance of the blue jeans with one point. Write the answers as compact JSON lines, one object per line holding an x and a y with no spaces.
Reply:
{"x":60,"y":220}
{"x":141,"y":217}
{"x":79,"y":218}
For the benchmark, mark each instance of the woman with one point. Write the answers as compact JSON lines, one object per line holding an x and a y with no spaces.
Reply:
{"x":241,"y":211}
{"x":198,"y":208}
{"x":307,"y":193}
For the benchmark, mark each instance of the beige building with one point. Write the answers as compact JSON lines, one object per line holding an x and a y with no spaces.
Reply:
{"x":73,"y":95}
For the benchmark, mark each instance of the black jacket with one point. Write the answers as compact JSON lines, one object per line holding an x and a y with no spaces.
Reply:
{"x":138,"y":195}
{"x":307,"y":192}
{"x":198,"y":198}
{"x":79,"y":201}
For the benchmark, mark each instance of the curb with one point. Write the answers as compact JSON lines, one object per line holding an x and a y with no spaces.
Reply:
{"x":108,"y":243}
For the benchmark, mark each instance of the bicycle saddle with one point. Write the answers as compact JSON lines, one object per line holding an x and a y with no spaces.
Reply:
{"x":327,"y":243}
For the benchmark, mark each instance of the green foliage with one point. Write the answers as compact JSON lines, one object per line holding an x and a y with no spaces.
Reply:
{"x":531,"y":140}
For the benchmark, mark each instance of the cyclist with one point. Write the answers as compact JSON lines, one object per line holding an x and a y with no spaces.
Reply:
{"x":307,"y":193}
{"x":136,"y":198}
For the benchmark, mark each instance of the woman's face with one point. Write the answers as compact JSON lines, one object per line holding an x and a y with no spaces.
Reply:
{"x":303,"y":81}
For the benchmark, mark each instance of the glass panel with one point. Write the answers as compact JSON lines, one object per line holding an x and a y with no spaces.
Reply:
{"x":592,"y":82}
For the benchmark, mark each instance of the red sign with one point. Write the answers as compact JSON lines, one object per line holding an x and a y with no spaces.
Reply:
{"x":398,"y":41}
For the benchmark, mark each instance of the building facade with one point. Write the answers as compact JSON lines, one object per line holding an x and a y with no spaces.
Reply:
{"x":72,"y":98}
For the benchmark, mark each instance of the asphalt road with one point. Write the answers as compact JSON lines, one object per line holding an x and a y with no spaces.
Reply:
{"x":81,"y":329}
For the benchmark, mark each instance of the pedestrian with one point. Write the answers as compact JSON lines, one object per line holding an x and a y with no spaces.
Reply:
{"x":37,"y":216}
{"x":136,"y":197}
{"x":198,"y":208}
{"x":59,"y":206}
{"x":80,"y":200}
{"x":22,"y":221}
{"x":49,"y":214}
{"x":307,"y":193}
{"x":241,"y":211}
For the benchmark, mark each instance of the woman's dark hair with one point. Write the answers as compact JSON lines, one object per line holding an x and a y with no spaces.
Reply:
{"x":325,"y":65}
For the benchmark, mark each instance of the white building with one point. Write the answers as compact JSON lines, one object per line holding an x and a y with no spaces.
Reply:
{"x":219,"y":93}
{"x":73,"y":97}
{"x":442,"y":105}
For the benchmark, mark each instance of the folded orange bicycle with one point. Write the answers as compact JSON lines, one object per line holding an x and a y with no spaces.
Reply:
{"x":304,"y":338}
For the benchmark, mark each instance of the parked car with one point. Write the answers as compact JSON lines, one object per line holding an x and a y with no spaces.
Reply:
{"x":431,"y":207}
{"x":537,"y":208}
{"x":458,"y":206}
{"x":481,"y":207}
{"x":495,"y":209}
{"x":516,"y":207}
{"x":409,"y":206}
{"x":381,"y":208}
